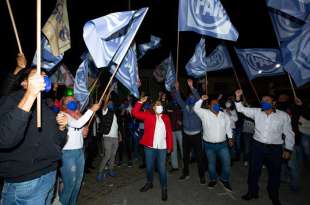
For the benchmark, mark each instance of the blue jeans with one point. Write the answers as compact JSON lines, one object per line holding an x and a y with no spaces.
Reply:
{"x":151,"y":156}
{"x":218,"y":150}
{"x":305,"y":144}
{"x":177,"y":140}
{"x":72,"y":171}
{"x":37,"y":191}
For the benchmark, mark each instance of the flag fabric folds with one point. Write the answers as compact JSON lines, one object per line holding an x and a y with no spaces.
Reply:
{"x":295,"y":54}
{"x":48,"y":60}
{"x":145,"y":47}
{"x":81,"y":92}
{"x":206,"y":17}
{"x":285,"y":26}
{"x":170,"y":77}
{"x":57,"y":30}
{"x":259,"y":62}
{"x":200,"y":64}
{"x":298,"y":8}
{"x":109,"y":37}
{"x":62,"y":76}
{"x":128,"y":73}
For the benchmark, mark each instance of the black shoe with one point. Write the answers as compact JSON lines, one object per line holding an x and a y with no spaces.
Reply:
{"x":226,"y":186}
{"x":173,"y":170}
{"x":146,"y":187}
{"x":212,"y":184}
{"x":276,"y":202}
{"x":184,"y":177}
{"x":203,"y":181}
{"x":248,"y":196}
{"x":164,"y":194}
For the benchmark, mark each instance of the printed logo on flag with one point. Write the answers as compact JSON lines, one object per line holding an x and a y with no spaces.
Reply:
{"x":216,"y":59}
{"x":201,"y":10}
{"x":260,"y":62}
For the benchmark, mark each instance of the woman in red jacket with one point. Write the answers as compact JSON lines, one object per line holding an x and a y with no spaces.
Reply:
{"x":157,"y":141}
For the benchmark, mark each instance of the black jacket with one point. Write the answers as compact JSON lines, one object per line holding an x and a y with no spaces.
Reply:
{"x":26,"y":152}
{"x":105,"y":122}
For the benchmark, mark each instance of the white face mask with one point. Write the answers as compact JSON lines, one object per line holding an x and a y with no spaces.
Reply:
{"x":159,"y":109}
{"x":227,"y":104}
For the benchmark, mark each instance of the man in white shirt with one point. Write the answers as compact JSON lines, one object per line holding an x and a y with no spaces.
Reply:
{"x":216,"y":126}
{"x":267,"y":146}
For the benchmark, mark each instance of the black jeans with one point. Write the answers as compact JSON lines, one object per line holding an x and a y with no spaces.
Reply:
{"x":195,"y":142}
{"x":125,"y":145}
{"x":271,"y":156}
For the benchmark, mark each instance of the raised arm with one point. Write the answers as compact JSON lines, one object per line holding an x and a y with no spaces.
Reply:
{"x":136,"y":110}
{"x":193,"y":89}
{"x":84,"y":119}
{"x":249,"y":112}
{"x":179,"y":99}
{"x":197,"y":107}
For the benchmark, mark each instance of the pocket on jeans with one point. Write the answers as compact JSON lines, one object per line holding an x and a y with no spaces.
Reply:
{"x":28,"y":188}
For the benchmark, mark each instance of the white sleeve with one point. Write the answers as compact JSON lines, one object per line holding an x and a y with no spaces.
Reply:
{"x":228,"y":129}
{"x":234,"y":116}
{"x":198,"y":110}
{"x":249,"y":112}
{"x":81,"y":121}
{"x":288,"y":132}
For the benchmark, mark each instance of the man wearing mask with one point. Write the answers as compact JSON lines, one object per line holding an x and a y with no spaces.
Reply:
{"x":192,"y":132}
{"x":267,"y":146}
{"x":157,"y":141}
{"x":216,"y":126}
{"x":111,"y":137}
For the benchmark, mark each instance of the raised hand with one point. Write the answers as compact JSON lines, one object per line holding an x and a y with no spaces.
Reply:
{"x":21,"y":63}
{"x":298,"y":101}
{"x":205,"y":97}
{"x":190,"y":83}
{"x":238,"y":94}
{"x":35,"y":83}
{"x":144,"y":99}
{"x":95,"y":107}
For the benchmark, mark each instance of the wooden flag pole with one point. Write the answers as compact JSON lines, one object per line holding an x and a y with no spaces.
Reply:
{"x":206,"y":83}
{"x":254,"y":89}
{"x":14,"y":26}
{"x":39,"y":60}
{"x":177,"y":60}
{"x":292,"y":85}
{"x":238,"y":81}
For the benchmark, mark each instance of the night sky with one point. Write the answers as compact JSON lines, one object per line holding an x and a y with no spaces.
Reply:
{"x":250,"y":17}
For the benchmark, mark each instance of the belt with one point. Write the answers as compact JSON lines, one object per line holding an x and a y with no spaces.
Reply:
{"x":215,"y":142}
{"x":268,"y":145}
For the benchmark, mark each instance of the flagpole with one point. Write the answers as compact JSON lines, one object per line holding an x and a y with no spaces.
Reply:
{"x":14,"y":26}
{"x":238,"y":81}
{"x":39,"y":60}
{"x":292,"y":85}
{"x":206,"y":83}
{"x":177,"y":59}
{"x":254,"y":89}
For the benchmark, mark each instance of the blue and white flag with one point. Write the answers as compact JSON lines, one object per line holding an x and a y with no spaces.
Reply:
{"x":170,"y":77}
{"x":48,"y":60}
{"x":206,"y":17}
{"x":81,"y":92}
{"x":296,"y":56}
{"x":285,"y":26}
{"x":259,"y":62}
{"x":109,"y":37}
{"x":145,"y":47}
{"x":128,"y":73}
{"x":200,"y":64}
{"x":298,"y":8}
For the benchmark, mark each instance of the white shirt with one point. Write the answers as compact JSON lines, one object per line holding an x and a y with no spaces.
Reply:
{"x":159,"y":141}
{"x":269,"y":128}
{"x":233,"y":117}
{"x":75,"y":128}
{"x":215,"y":127}
{"x":114,"y":128}
{"x":304,"y":125}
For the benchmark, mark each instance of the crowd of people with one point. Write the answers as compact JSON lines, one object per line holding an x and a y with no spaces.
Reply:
{"x":170,"y":130}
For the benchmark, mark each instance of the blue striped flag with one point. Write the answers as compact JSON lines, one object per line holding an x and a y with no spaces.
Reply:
{"x":145,"y":47}
{"x":81,"y":92}
{"x":109,"y":37}
{"x":298,"y":8}
{"x":128,"y":73}
{"x":170,"y":77}
{"x":295,"y":54}
{"x":206,"y":18}
{"x":285,"y":26}
{"x":259,"y":62}
{"x":200,"y":64}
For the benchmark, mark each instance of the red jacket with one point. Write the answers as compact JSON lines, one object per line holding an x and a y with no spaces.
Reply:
{"x":149,"y":119}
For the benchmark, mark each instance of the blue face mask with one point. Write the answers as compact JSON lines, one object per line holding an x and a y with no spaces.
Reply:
{"x":72,"y":105}
{"x":48,"y":84}
{"x":216,"y":107}
{"x":266,"y":106}
{"x":191,"y":100}
{"x":110,"y":106}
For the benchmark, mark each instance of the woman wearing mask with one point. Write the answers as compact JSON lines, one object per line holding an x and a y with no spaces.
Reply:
{"x":157,"y":141}
{"x":73,"y":160}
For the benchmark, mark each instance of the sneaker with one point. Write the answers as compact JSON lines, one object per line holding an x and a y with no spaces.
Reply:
{"x":146,"y":187}
{"x":212,"y":184}
{"x":129,"y":164}
{"x":184,"y":177}
{"x":248,"y":196}
{"x":112,"y":173}
{"x":226,"y":186}
{"x":202,"y":181}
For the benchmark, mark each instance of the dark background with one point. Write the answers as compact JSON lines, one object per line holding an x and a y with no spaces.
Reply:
{"x":250,"y":17}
